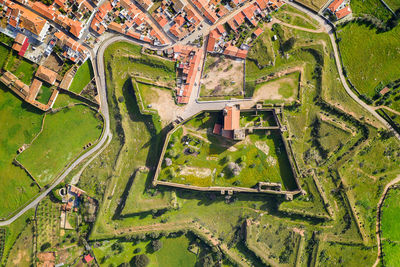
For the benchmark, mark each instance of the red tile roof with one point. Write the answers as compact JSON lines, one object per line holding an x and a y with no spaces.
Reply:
{"x":210,"y":44}
{"x":343,"y":12}
{"x":258,"y":32}
{"x":231,"y":118}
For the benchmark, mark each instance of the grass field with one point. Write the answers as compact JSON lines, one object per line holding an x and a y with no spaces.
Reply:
{"x":44,"y":94}
{"x":261,"y":157}
{"x":281,"y":90}
{"x":174,"y":252}
{"x":82,"y":77}
{"x":64,"y":135}
{"x":332,"y":136}
{"x":3,"y":54}
{"x":142,"y":200}
{"x":262,"y":51}
{"x":394,"y":4}
{"x":293,"y":16}
{"x":12,"y":232}
{"x":64,"y":100}
{"x":390,"y":228}
{"x":22,"y":252}
{"x":369,"y":58}
{"x":370,"y":7}
{"x":19,"y":66}
{"x":19,"y":124}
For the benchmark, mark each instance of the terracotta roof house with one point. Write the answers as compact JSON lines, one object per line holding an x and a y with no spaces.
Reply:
{"x":384,"y":91}
{"x":23,"y":19}
{"x":21,"y":44}
{"x":231,"y":117}
{"x":336,"y":5}
{"x":46,"y":75}
{"x":178,"y":5}
{"x":34,"y":89}
{"x":75,"y":27}
{"x":88,"y":258}
{"x":46,"y":11}
{"x":257,"y":32}
{"x":343,"y":12}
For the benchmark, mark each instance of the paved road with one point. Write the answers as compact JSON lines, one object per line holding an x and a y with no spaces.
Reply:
{"x":329,"y":29}
{"x":191,"y":109}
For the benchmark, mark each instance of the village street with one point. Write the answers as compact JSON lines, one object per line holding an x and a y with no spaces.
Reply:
{"x":193,"y":107}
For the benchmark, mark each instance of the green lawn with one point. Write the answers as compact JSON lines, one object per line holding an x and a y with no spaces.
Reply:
{"x":20,"y":122}
{"x":390,"y":228}
{"x":369,"y":58}
{"x":370,"y":7}
{"x":64,"y":135}
{"x":64,"y":100}
{"x":295,"y":17}
{"x":174,"y":252}
{"x":3,"y":54}
{"x":44,"y":94}
{"x":82,"y":77}
{"x":332,"y":136}
{"x":22,"y":68}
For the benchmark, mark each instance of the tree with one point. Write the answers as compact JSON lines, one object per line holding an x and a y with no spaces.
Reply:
{"x":288,"y":45}
{"x":140,"y":260}
{"x":156,"y":244}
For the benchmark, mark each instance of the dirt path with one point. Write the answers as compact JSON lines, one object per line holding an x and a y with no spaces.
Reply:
{"x":320,"y":30}
{"x":387,"y":108}
{"x":379,"y":213}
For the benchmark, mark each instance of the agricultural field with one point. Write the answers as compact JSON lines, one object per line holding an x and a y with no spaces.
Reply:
{"x":20,"y":123}
{"x":21,"y":253}
{"x":65,"y":135}
{"x":361,"y":46}
{"x":390,"y":228}
{"x":174,"y":251}
{"x":203,"y":159}
{"x":48,"y":225}
{"x":371,"y":8}
{"x":222,"y":76}
{"x":82,"y":77}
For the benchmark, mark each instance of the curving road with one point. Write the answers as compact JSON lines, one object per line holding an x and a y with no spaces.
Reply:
{"x":192,"y":108}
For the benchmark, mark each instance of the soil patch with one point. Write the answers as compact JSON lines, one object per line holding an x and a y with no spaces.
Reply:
{"x":198,"y":172}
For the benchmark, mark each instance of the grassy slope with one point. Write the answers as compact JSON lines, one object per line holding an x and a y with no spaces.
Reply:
{"x":369,"y":58}
{"x":82,"y":77}
{"x":174,"y":252}
{"x":64,"y":100}
{"x":19,"y":124}
{"x":394,"y":4}
{"x":370,"y":7}
{"x":391,"y":228}
{"x":13,"y":231}
{"x":63,"y":137}
{"x":22,"y":252}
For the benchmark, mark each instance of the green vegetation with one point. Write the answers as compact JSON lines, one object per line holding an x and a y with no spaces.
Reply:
{"x":141,"y":199}
{"x":200,"y":159}
{"x":390,"y":228}
{"x":19,"y":66}
{"x":20,"y":123}
{"x":44,"y":94}
{"x":48,"y":225}
{"x":262,"y":51}
{"x":21,"y":253}
{"x":293,"y":16}
{"x":370,"y":7}
{"x":13,"y":232}
{"x":82,"y":77}
{"x":393,"y":4}
{"x":63,"y":100}
{"x":369,"y":58}
{"x":174,"y":252}
{"x":64,"y":136}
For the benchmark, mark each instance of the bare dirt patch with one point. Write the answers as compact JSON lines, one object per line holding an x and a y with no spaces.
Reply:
{"x":262,"y":146}
{"x":198,"y":172}
{"x":53,"y":62}
{"x":222,"y":76}
{"x":162,"y":101}
{"x":270,"y":90}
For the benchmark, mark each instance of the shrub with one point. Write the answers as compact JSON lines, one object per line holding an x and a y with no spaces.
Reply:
{"x":140,"y":260}
{"x":156,"y":244}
